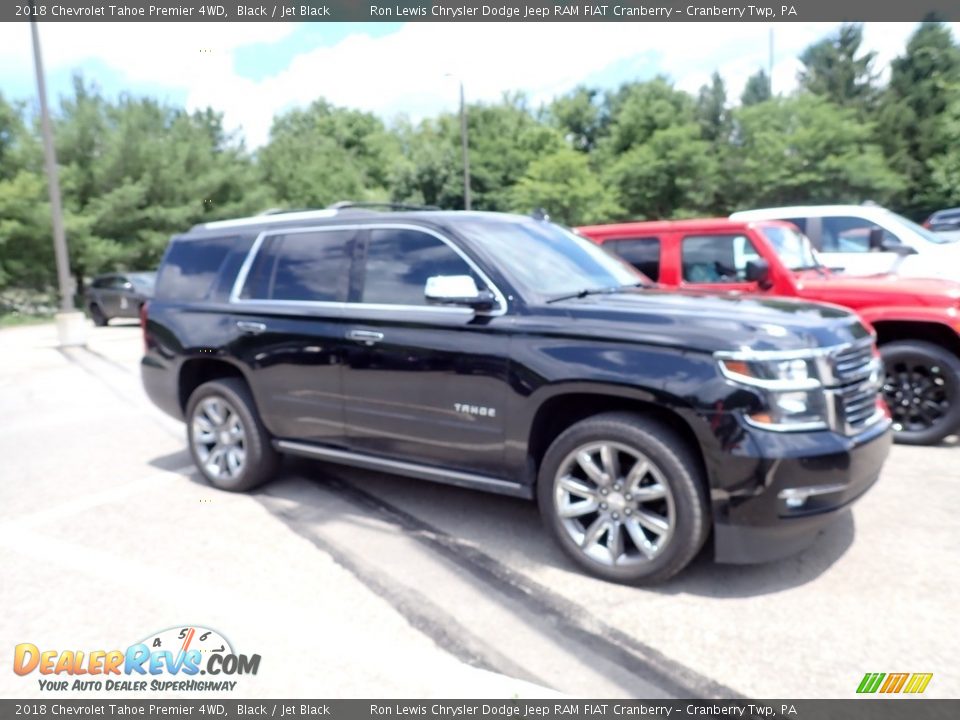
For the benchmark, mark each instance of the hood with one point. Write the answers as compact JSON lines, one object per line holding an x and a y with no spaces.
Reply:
{"x":709,"y":322}
{"x":874,"y":290}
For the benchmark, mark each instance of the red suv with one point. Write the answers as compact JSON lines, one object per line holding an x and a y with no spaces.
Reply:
{"x":917,"y":320}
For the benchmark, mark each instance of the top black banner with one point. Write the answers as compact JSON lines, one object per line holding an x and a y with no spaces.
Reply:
{"x":477,"y":11}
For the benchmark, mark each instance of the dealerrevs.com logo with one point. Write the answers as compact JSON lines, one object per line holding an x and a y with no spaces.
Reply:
{"x":172,"y":659}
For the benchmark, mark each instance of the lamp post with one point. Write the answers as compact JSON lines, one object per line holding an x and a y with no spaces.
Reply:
{"x":71,"y":327}
{"x":464,"y":143}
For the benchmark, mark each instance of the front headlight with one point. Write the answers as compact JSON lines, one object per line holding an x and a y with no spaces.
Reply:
{"x":791,"y":386}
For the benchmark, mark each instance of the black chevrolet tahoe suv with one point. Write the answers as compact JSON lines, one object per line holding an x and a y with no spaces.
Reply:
{"x":505,"y":353}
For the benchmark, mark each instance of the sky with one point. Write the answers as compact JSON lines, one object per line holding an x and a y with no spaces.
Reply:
{"x":251,"y":71}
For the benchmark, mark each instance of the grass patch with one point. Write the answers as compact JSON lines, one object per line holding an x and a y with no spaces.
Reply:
{"x":16,"y":319}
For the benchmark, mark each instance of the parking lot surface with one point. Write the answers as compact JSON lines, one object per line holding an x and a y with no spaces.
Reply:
{"x":353,"y":584}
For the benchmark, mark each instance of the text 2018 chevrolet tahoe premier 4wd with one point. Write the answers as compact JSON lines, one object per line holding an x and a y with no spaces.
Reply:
{"x":504,"y":353}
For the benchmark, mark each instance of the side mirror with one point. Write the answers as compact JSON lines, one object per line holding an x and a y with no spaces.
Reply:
{"x":875,"y":240}
{"x":898,"y":248}
{"x":758,"y":271}
{"x":458,"y":290}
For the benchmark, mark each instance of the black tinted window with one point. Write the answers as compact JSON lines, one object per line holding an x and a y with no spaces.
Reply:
{"x":716,"y":258}
{"x":190,"y":268}
{"x":311,"y":266}
{"x":642,"y":253}
{"x":399,"y":263}
{"x":260,"y":275}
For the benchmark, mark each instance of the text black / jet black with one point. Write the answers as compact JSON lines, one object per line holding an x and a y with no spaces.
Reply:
{"x":504,"y":353}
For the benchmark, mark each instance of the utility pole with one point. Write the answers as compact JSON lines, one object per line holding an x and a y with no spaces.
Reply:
{"x":770,"y":63}
{"x":464,"y":143}
{"x":466,"y":149}
{"x":71,"y":326}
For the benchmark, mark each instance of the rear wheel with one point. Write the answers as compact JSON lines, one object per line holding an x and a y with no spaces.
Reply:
{"x":623,"y":496}
{"x":98,"y":316}
{"x":922,"y":390}
{"x":228,"y":442}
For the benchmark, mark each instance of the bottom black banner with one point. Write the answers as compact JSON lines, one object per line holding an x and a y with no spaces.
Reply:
{"x":854,"y":709}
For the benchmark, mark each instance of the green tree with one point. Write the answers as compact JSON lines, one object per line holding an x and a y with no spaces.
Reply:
{"x":673,"y":174}
{"x":579,"y":116}
{"x":757,"y":89}
{"x":323,"y":154}
{"x":834,"y":68}
{"x":563,"y":184}
{"x":638,"y":110}
{"x":711,"y":110}
{"x":913,"y":124}
{"x":806,"y":149}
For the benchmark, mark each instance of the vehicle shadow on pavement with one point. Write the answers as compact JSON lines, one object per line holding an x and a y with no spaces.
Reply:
{"x":509,"y":530}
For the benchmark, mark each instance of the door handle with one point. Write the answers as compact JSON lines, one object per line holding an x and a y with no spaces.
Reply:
{"x":250,"y":328}
{"x":367,"y":336}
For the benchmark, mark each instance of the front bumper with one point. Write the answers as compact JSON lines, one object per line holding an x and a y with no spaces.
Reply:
{"x":804,"y":480}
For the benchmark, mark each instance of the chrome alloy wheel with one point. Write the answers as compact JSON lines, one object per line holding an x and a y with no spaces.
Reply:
{"x":614,"y":503}
{"x":219,"y":438}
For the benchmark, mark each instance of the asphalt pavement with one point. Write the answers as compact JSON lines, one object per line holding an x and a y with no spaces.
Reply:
{"x":350,"y":583}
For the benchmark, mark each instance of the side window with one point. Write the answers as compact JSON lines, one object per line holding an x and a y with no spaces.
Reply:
{"x":101,"y":283}
{"x":400,"y":261}
{"x":849,"y":234}
{"x":716,"y":258}
{"x":310,"y":266}
{"x":642,"y":253}
{"x":799,"y":222}
{"x":190,"y":268}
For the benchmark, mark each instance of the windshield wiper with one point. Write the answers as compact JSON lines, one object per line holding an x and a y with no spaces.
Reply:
{"x":595,"y":291}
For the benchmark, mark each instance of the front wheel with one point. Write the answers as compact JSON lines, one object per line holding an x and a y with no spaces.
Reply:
{"x":99,"y":317}
{"x":922,"y":390}
{"x":624,"y":497}
{"x":228,"y":442}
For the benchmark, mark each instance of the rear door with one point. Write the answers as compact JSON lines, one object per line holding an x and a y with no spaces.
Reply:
{"x":423,"y":383}
{"x":641,"y":252}
{"x":288,"y":308}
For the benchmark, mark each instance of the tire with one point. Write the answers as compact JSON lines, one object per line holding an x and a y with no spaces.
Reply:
{"x":922,"y":390}
{"x":246,"y":458}
{"x":646,"y":556}
{"x":99,"y":319}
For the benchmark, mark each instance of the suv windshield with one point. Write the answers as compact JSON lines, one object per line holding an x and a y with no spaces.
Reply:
{"x":548,"y":260}
{"x":793,"y":247}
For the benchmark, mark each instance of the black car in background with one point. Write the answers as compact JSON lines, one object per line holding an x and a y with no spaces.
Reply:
{"x":506,"y":354}
{"x":946,"y":222}
{"x":118,"y":295}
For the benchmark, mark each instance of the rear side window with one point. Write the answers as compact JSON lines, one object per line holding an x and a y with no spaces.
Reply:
{"x":191,"y":267}
{"x":306,"y":267}
{"x":642,"y":253}
{"x":400,"y":261}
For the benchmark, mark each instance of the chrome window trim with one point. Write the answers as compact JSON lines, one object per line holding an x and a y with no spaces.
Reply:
{"x":241,"y":278}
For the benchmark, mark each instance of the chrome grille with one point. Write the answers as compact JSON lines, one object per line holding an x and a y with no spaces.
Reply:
{"x":855,"y":374}
{"x":859,"y":405}
{"x":853,"y":364}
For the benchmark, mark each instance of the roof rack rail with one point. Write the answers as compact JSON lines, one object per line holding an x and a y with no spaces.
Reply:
{"x":282,"y":211}
{"x":350,"y":204}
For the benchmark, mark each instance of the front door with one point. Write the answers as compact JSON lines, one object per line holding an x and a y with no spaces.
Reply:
{"x":422,"y":383}
{"x":717,"y":262}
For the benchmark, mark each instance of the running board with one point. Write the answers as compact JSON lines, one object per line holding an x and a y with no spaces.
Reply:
{"x":408,"y":469}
